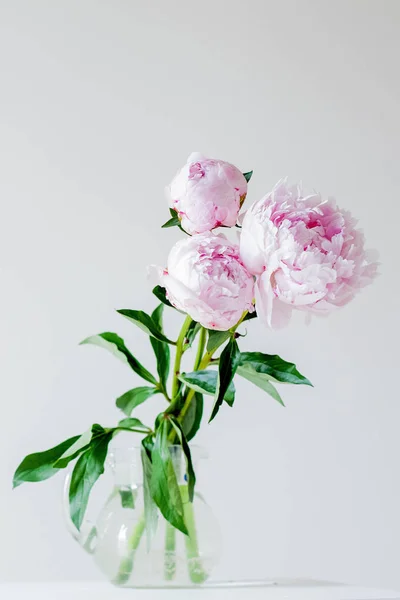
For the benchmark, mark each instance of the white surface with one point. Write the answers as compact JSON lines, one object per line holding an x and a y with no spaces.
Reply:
{"x":304,"y":591}
{"x":100,"y":103}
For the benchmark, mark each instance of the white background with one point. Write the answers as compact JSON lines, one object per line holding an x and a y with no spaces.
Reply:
{"x":100,"y":103}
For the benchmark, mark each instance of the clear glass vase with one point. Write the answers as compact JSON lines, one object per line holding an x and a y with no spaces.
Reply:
{"x":128,"y":551}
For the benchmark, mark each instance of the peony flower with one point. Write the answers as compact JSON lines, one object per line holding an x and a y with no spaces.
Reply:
{"x":305,"y":252}
{"x":206,"y":279}
{"x":207,"y":193}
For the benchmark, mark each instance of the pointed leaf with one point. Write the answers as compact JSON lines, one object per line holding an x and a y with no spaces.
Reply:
{"x":206,"y":382}
{"x":161,"y":294}
{"x":116,"y":345}
{"x":85,"y":474}
{"x":191,"y":333}
{"x":157,"y":316}
{"x":248,"y":176}
{"x":161,"y":349}
{"x":131,"y":399}
{"x":191,"y":477}
{"x":228,"y":363}
{"x":192,"y":419}
{"x":150,"y":507}
{"x":164,"y":485}
{"x":216,"y":339}
{"x":148,"y":444}
{"x":81,"y":444}
{"x":261,"y":380}
{"x":132,"y":423}
{"x":39,"y":466}
{"x":250,"y":315}
{"x":275,"y":366}
{"x":145,"y":323}
{"x":172,"y":222}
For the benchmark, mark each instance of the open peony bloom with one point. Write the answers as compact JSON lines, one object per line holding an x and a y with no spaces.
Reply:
{"x":206,"y":279}
{"x":305,"y":252}
{"x":207,"y":193}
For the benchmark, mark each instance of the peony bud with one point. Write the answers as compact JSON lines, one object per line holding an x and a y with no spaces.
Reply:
{"x":206,"y":194}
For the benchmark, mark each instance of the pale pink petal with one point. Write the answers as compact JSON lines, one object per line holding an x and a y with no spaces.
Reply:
{"x":206,"y":279}
{"x":313,"y":254}
{"x":206,"y":193}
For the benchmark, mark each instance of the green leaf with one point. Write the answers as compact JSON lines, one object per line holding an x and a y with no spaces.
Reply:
{"x":150,"y":508}
{"x":261,"y":380}
{"x":81,"y":444}
{"x":191,"y":477}
{"x":85,"y":474}
{"x":206,"y":382}
{"x":216,"y":339}
{"x":161,"y":294}
{"x":157,"y":316}
{"x":145,"y":323}
{"x":274,"y":366}
{"x":116,"y":345}
{"x":161,"y":349}
{"x":191,"y":333}
{"x":39,"y":466}
{"x":131,"y":399}
{"x":127,"y":498}
{"x":192,"y":419}
{"x":250,"y":315}
{"x":132,"y":423}
{"x":172,"y":222}
{"x":228,"y":363}
{"x":248,"y":175}
{"x":164,"y":485}
{"x":148,"y":444}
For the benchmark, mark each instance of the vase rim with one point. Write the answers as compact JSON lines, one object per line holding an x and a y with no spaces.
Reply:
{"x":139,"y":446}
{"x":198,"y":451}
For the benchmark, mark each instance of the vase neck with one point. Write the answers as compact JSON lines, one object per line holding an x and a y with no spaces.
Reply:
{"x":126,"y":463}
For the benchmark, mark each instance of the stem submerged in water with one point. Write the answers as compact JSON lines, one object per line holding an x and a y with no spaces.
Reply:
{"x":196,"y":572}
{"x":169,"y":556}
{"x":126,"y":566}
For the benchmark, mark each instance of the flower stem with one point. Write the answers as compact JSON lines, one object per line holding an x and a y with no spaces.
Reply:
{"x":203,"y":363}
{"x":196,"y":571}
{"x":200,"y":348}
{"x":126,"y":566}
{"x":178,"y":355}
{"x":169,"y":556}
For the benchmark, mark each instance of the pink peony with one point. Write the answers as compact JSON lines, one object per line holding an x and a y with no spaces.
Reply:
{"x":207,"y":193}
{"x":305,"y":252}
{"x":206,"y":279}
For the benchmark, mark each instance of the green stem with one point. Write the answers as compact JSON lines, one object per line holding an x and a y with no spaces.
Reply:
{"x":203,"y":364}
{"x":233,"y":329}
{"x":205,"y":361}
{"x":133,"y":430}
{"x":178,"y":355}
{"x":169,"y":556}
{"x":200,"y":348}
{"x":126,"y":566}
{"x":164,"y":392}
{"x":196,"y":572}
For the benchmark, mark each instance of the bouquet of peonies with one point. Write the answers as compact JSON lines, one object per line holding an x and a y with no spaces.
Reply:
{"x":295,"y":251}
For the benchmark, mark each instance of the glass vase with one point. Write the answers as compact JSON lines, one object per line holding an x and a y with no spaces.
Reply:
{"x":129,"y":550}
